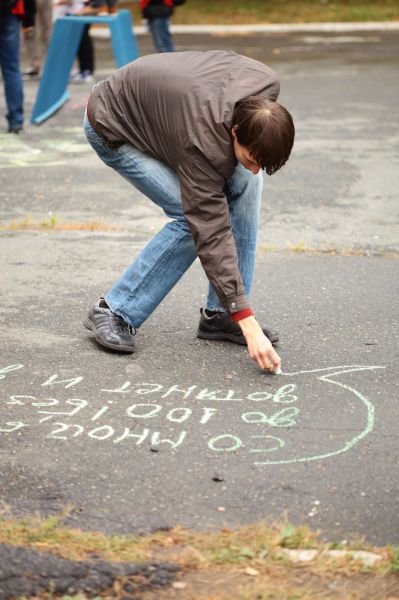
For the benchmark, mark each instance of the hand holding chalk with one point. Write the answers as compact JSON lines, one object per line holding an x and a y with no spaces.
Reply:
{"x":259,"y":346}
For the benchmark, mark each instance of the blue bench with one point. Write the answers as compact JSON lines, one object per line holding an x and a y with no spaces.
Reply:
{"x":62,"y":50}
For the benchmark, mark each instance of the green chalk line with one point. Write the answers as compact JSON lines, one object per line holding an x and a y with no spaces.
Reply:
{"x":354,"y":440}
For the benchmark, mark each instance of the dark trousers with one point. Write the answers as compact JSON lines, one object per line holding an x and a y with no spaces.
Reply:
{"x":161,"y":36}
{"x":10,"y":26}
{"x":86,"y":52}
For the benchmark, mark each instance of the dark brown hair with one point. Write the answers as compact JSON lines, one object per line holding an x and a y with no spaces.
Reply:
{"x":266,"y":130}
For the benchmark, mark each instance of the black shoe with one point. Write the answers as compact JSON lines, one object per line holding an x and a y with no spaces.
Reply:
{"x":31,"y":74}
{"x":220,"y":327}
{"x":110,"y":329}
{"x":15,"y":130}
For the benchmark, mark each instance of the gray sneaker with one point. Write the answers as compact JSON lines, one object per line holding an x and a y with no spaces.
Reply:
{"x":110,"y":330}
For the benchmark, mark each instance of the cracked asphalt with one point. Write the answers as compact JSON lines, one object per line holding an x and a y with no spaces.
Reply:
{"x":25,"y":572}
{"x":187,"y":431}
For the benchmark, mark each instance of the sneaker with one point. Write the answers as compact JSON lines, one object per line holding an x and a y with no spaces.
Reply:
{"x":31,"y":74}
{"x":82,"y":77}
{"x":219,"y":326}
{"x":15,"y":129}
{"x":110,"y":329}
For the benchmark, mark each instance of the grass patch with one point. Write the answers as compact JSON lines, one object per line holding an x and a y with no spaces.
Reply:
{"x":280,"y":11}
{"x":225,"y":547}
{"x":260,"y":544}
{"x":394,"y":557}
{"x":243,"y":564}
{"x":302,"y":248}
{"x":253,"y":543}
{"x":50,"y":535}
{"x":53,"y":224}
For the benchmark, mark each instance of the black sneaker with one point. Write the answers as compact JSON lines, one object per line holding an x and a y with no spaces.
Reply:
{"x":110,"y":329}
{"x":31,"y":74}
{"x":15,"y":129}
{"x":220,"y":327}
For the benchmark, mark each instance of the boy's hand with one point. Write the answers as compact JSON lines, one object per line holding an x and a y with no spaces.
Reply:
{"x":259,"y":347}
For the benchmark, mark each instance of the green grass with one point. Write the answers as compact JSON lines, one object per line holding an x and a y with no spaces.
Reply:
{"x":54,"y":224}
{"x":395,"y":559}
{"x":49,"y":535}
{"x":280,"y":11}
{"x":246,"y":545}
{"x":240,"y":564}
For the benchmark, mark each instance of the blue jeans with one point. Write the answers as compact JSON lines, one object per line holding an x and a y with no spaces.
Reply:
{"x":9,"y":61}
{"x":161,"y":36}
{"x":171,"y":252}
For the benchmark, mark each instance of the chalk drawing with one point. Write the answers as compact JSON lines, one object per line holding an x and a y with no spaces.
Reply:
{"x":231,"y":443}
{"x":102,"y":433}
{"x":64,"y":427}
{"x":132,"y":411}
{"x":277,"y":443}
{"x":283,"y":418}
{"x":53,"y":380}
{"x":13,"y":426}
{"x":4,"y":372}
{"x":369,"y":408}
{"x":255,"y":415}
{"x":16,"y":152}
{"x":77,"y":402}
{"x":19,"y":400}
{"x":284,"y":394}
{"x":128,"y":434}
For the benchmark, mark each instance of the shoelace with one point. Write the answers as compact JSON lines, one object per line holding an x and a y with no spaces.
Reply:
{"x":121,"y":325}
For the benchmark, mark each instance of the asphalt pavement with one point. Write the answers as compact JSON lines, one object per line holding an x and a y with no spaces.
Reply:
{"x":187,"y":431}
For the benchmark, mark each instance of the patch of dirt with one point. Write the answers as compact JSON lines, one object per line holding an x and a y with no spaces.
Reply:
{"x":287,"y":584}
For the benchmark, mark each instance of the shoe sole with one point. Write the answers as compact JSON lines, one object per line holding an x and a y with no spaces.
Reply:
{"x":117,"y":348}
{"x":228,"y":337}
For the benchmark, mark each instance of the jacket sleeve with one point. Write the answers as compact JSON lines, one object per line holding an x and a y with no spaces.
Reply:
{"x":206,"y":210}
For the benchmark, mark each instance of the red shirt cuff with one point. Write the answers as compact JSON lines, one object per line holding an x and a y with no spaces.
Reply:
{"x":241,"y":314}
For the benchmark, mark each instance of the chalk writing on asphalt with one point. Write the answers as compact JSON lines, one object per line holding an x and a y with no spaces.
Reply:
{"x":19,"y":152}
{"x":277,"y":425}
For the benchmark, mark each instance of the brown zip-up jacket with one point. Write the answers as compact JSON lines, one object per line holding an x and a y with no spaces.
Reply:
{"x":178,"y":107}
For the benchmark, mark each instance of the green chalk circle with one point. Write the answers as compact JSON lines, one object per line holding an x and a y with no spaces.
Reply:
{"x":370,"y":413}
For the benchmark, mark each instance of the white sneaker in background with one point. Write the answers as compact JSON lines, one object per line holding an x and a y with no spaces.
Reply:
{"x":82,"y":77}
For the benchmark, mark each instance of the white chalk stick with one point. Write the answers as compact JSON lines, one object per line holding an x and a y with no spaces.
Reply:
{"x":278,"y":372}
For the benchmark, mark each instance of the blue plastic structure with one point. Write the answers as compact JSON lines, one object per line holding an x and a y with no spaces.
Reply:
{"x":63,"y":47}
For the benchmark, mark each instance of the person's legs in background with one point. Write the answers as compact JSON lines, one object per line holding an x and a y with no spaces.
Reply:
{"x":112,"y":6}
{"x":161,"y":36}
{"x":86,"y":54}
{"x":85,"y":59}
{"x":86,"y":46}
{"x":42,"y":30}
{"x":10,"y":26}
{"x":46,"y":27}
{"x":30,"y":45}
